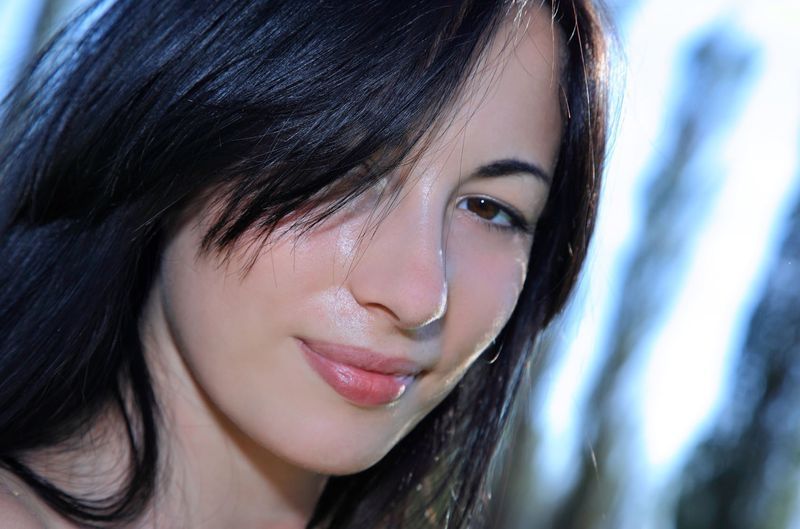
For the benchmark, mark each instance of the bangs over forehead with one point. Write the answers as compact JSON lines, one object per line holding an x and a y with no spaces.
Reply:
{"x":392,"y":113}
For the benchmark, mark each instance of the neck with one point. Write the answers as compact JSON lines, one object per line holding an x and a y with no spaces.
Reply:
{"x":215,"y":475}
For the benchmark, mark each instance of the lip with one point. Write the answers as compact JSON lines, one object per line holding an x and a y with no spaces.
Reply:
{"x":363,"y":377}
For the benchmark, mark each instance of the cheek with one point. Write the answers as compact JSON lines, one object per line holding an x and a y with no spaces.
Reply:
{"x":487,"y":274}
{"x":232,"y":332}
{"x":221,"y":313}
{"x":204,"y":312}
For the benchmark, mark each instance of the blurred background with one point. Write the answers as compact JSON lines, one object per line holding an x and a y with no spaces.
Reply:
{"x":668,"y":394}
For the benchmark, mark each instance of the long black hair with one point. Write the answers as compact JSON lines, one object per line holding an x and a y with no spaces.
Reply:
{"x":117,"y":128}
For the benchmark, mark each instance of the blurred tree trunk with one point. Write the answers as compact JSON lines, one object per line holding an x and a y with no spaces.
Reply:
{"x":49,"y":15}
{"x":745,"y":475}
{"x":676,"y":201}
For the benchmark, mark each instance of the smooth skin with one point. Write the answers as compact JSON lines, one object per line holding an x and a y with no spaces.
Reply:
{"x":251,"y":430}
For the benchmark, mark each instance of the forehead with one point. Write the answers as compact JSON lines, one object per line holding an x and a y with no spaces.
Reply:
{"x":509,"y":107}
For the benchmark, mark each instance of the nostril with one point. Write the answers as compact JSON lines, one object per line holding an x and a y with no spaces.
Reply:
{"x":409,"y":287}
{"x":401,"y":271}
{"x":437,"y":312}
{"x":424,"y":283}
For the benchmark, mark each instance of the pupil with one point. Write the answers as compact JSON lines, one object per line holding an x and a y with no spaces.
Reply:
{"x":484,"y":208}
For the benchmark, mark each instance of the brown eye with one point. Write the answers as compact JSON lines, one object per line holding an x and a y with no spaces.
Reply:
{"x":489,"y":210}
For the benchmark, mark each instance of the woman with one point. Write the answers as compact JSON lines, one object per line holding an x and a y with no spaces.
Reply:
{"x":277,"y":264}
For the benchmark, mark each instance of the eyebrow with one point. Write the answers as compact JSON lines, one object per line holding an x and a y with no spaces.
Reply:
{"x":512,"y":166}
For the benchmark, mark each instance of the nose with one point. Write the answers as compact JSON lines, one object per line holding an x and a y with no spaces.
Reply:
{"x":400,"y":269}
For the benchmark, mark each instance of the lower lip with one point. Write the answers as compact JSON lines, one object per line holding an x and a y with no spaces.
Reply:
{"x":361,"y":387}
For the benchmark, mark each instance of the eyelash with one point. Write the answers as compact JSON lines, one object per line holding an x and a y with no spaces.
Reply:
{"x":516,"y":221}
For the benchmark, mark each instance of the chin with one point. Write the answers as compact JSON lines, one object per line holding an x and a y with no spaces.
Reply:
{"x":347,"y":465}
{"x":330,"y":441}
{"x":340,"y":462}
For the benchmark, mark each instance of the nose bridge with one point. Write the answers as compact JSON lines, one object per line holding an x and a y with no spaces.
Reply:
{"x":402,"y":269}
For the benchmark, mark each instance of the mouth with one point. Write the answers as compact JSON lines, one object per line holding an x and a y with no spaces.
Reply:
{"x":362,"y":377}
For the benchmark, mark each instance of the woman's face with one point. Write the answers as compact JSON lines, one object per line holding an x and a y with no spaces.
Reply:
{"x":327,"y":348}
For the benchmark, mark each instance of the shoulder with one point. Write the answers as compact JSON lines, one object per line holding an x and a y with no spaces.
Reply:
{"x":14,"y":513}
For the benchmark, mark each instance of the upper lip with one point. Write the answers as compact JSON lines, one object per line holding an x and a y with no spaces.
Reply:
{"x":365,"y":359}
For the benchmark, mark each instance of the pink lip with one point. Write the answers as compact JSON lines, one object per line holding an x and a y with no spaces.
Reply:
{"x":361,"y":376}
